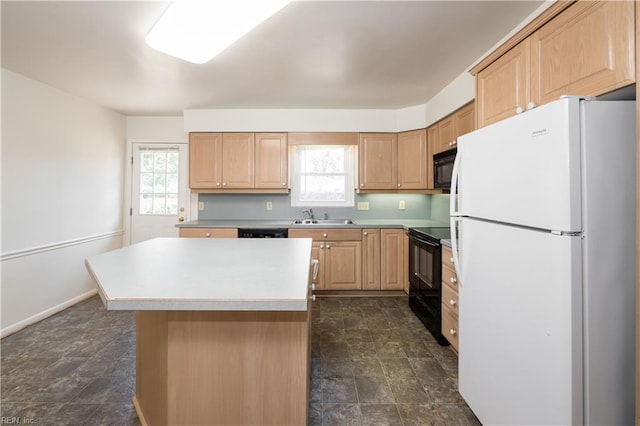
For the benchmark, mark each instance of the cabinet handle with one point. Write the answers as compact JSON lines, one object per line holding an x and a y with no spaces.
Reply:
{"x":452,"y":302}
{"x":313,"y":298}
{"x":224,"y":183}
{"x":451,"y":259}
{"x":452,"y":331}
{"x":362,"y":185}
{"x":366,"y":233}
{"x":531,"y":105}
{"x":454,"y":143}
{"x":284,"y":183}
{"x":519,"y":110}
{"x":328,"y":246}
{"x":217,"y":183}
{"x":324,"y":235}
{"x":312,"y":286}
{"x":453,"y":280}
{"x":399,"y":185}
{"x":208,"y":234}
{"x":321,"y":246}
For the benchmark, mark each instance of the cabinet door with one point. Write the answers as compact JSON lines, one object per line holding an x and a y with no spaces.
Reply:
{"x":317,"y":252}
{"x":205,"y":160}
{"x":343,"y":265}
{"x":371,"y":259}
{"x":208,"y":233}
{"x":237,"y":160}
{"x":271,"y":160}
{"x":432,"y":143}
{"x":586,"y":50}
{"x":412,"y":160}
{"x":503,"y":86}
{"x":392,"y":267}
{"x":446,"y":133}
{"x":465,"y":119}
{"x":378,"y":161}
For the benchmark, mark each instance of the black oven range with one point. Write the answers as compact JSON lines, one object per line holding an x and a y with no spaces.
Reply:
{"x":425,"y":272}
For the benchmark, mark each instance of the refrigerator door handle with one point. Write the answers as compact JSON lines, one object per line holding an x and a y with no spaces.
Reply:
{"x":455,"y":248}
{"x":453,"y":193}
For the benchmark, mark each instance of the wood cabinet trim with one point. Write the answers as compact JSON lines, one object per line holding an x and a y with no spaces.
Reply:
{"x":525,"y":32}
{"x":323,"y":138}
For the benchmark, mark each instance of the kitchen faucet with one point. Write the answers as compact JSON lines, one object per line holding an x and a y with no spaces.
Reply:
{"x":309,"y":213}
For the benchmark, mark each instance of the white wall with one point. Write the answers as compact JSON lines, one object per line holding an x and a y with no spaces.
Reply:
{"x":62,"y":194}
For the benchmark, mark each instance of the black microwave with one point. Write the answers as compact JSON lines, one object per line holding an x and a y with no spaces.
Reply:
{"x":443,"y":168}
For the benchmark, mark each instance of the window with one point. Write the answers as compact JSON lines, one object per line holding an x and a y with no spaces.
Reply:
{"x":322,"y":175}
{"x":159,"y":181}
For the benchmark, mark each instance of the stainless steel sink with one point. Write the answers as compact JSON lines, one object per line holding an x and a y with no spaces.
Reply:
{"x":323,"y":222}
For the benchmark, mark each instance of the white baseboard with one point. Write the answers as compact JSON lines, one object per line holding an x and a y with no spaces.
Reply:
{"x":45,"y":314}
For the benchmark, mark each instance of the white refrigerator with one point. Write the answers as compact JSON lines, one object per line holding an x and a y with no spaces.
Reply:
{"x":543,"y":232}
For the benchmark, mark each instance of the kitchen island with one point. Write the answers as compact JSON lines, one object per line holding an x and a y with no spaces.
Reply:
{"x":222,"y":327}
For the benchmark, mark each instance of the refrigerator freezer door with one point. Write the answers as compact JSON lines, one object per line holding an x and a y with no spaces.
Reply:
{"x":525,"y":170}
{"x":520,"y":309}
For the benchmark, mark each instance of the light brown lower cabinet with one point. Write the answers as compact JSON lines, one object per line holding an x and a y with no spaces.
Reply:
{"x":383,"y":259}
{"x":450,"y":329}
{"x":339,"y":253}
{"x":213,"y":367}
{"x":208,"y":232}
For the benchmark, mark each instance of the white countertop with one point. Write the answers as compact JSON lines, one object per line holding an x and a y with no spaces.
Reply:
{"x":196,"y":274}
{"x":288,"y":223}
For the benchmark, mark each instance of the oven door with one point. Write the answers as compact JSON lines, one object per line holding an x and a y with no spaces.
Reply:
{"x":424,"y":267}
{"x":425,"y":296}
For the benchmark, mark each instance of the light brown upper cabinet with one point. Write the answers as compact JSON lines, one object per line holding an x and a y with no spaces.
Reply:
{"x":503,"y":86}
{"x":240,"y":162}
{"x":378,"y":165}
{"x":390,"y":161}
{"x":443,"y":135}
{"x":237,"y":160}
{"x":271,"y":160}
{"x":205,"y":160}
{"x":586,"y":49}
{"x":412,"y":159}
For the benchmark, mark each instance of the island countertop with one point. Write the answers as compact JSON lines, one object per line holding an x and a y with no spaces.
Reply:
{"x":202,"y":274}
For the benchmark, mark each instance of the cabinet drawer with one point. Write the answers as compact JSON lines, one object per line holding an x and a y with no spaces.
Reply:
{"x":208,"y":233}
{"x":450,"y":298}
{"x":449,"y":277}
{"x":450,"y":326}
{"x":327,"y":234}
{"x":447,"y":257}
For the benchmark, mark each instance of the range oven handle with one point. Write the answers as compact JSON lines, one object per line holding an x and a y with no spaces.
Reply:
{"x":423,"y":241}
{"x":455,"y":217}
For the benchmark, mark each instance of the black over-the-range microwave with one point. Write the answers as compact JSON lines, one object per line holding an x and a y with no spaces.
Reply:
{"x":443,"y":168}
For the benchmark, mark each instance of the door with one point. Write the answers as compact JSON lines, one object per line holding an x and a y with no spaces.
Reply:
{"x":159,"y":193}
{"x":378,"y":161}
{"x":238,"y":160}
{"x":412,"y":160}
{"x":520,"y":316}
{"x":524,"y":170}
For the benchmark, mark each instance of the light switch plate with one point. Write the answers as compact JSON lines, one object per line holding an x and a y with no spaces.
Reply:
{"x":363,"y":205}
{"x":269,"y":205}
{"x":200,"y":205}
{"x":401,"y":205}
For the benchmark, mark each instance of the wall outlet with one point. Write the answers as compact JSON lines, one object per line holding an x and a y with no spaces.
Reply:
{"x":401,"y":205}
{"x":200,"y":205}
{"x":363,"y":205}
{"x":269,"y":205}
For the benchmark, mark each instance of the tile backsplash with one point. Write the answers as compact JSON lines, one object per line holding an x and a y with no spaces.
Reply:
{"x":381,"y":206}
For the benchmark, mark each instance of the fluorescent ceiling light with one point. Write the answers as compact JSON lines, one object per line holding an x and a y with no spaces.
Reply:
{"x":197,"y":30}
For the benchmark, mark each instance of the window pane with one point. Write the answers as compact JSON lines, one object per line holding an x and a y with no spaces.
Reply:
{"x":159,"y":181}
{"x":322,"y":176}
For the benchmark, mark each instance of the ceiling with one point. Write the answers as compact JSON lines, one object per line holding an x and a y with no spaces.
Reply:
{"x":311,"y":54}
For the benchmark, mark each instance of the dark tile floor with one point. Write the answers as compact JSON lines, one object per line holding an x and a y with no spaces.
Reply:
{"x":373,"y":364}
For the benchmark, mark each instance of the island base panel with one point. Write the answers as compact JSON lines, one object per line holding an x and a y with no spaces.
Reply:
{"x":222,"y":367}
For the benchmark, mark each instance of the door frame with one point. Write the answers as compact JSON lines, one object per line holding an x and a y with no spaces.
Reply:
{"x":192,"y":204}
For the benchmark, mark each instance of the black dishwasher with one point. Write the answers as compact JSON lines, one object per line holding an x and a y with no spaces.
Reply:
{"x":263,"y":233}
